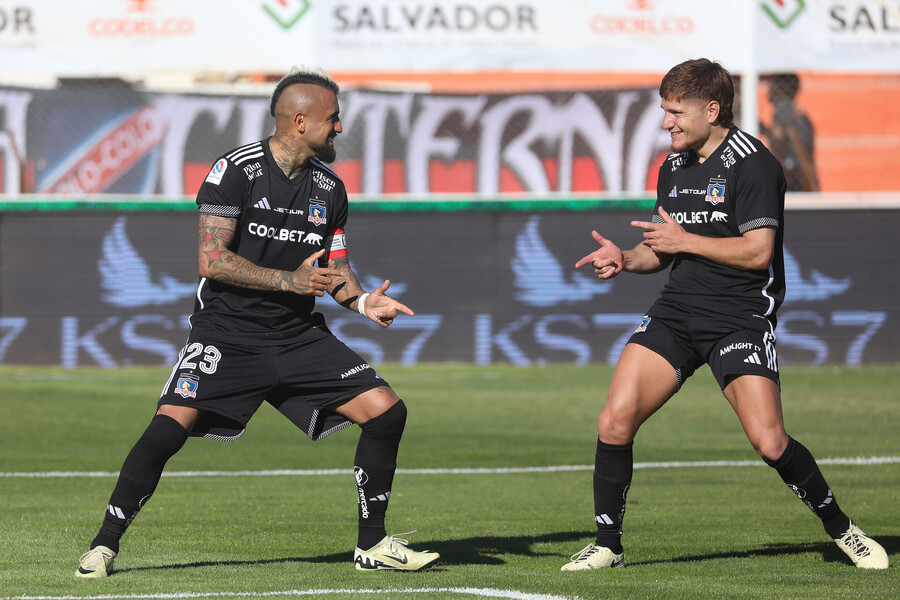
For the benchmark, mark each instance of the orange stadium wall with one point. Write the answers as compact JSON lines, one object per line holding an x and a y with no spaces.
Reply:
{"x":857,"y":129}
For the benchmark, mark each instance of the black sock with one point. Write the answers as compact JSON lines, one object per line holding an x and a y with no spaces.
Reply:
{"x":375,"y":463}
{"x":138,"y":477}
{"x":613,"y":466}
{"x":798,"y":469}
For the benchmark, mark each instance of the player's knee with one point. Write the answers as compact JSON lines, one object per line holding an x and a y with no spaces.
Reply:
{"x":389,"y":423}
{"x":162,"y":439}
{"x":614,"y":429}
{"x":771,"y":447}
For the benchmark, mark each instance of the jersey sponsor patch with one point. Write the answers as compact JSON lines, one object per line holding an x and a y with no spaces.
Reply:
{"x":283,"y":235}
{"x":727,"y":157}
{"x":216,"y":173}
{"x":253,"y":171}
{"x":322,"y":181}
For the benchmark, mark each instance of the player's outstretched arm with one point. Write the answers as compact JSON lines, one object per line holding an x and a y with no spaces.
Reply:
{"x":608,"y":260}
{"x":219,"y":263}
{"x":376,"y":305}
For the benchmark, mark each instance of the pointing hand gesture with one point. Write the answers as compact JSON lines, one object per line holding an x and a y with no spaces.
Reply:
{"x":608,"y":261}
{"x":380,"y":307}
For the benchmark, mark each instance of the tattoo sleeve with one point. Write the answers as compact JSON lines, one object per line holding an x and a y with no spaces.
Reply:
{"x":219,"y":263}
{"x":346,"y":288}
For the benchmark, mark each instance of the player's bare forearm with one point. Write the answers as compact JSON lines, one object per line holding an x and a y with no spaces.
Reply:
{"x":643,"y":260}
{"x":219,"y":263}
{"x":345,"y":289}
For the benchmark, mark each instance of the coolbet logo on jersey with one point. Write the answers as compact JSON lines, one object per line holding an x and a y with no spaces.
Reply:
{"x":698,"y":217}
{"x":715,"y":192}
{"x":316,"y":214}
{"x":283,"y":235}
{"x":216,"y":173}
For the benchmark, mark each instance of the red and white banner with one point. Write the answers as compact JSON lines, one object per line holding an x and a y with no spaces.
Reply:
{"x":109,"y":156}
{"x":140,"y":38}
{"x":149,"y":38}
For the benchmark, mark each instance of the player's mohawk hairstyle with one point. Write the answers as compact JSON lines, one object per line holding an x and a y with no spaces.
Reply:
{"x":303,"y":74}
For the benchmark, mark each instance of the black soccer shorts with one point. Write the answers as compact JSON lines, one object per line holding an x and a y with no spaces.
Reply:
{"x":229,"y":381}
{"x":729,"y":347}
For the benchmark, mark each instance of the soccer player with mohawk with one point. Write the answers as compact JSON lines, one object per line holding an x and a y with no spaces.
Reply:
{"x":271,"y":239}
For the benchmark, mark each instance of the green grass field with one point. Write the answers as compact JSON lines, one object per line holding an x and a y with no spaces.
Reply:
{"x":691,"y":531}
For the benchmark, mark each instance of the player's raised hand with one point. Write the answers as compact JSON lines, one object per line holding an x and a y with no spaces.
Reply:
{"x":668,"y":237}
{"x":312,"y":280}
{"x":383,"y":309}
{"x":608,"y":261}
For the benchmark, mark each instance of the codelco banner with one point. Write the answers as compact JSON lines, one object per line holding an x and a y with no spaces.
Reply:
{"x":114,"y":289}
{"x":135,"y":38}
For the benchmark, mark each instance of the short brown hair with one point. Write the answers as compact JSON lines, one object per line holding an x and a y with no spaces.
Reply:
{"x":701,"y":79}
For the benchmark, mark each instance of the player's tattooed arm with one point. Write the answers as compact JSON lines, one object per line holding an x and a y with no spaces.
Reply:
{"x":345,"y":289}
{"x":216,"y":235}
{"x":219,"y":263}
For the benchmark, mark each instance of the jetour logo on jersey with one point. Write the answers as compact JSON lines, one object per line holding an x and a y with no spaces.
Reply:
{"x":715,"y":191}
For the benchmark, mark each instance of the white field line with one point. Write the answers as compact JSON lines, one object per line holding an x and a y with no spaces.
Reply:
{"x":482,"y":592}
{"x":862,"y":460}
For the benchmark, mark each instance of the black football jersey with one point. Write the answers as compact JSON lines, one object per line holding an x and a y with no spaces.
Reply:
{"x":281,"y":222}
{"x":738,"y":188}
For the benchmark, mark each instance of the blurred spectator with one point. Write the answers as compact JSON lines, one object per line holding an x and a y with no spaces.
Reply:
{"x":791,"y":135}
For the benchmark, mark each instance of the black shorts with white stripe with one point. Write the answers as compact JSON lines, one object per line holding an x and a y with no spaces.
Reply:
{"x":730,"y":347}
{"x":303,"y":379}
